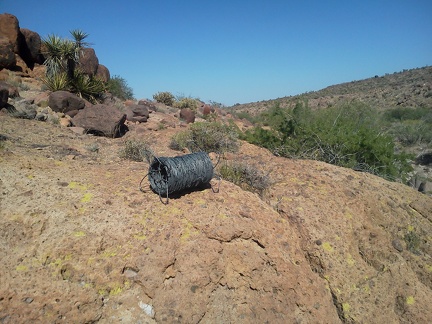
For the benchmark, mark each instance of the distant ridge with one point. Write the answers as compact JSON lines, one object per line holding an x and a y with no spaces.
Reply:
{"x":408,"y":88}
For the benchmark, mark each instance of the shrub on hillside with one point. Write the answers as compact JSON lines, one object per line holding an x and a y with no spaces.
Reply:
{"x":187,"y":103}
{"x":135,"y":151}
{"x":208,"y":137}
{"x":245,"y":176}
{"x":348,"y":135}
{"x":119,"y":88}
{"x":409,"y":126}
{"x":165,"y":97}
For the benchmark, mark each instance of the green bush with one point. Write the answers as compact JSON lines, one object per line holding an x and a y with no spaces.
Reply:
{"x":187,"y":103}
{"x":409,"y":126}
{"x":349,"y":135}
{"x":119,"y":88}
{"x":246,"y":176}
{"x":208,"y":137}
{"x":165,"y":97}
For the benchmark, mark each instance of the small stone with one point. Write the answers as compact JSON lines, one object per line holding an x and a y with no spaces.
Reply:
{"x":28,"y":300}
{"x":148,"y":309}
{"x":397,"y":245}
{"x":318,"y":242}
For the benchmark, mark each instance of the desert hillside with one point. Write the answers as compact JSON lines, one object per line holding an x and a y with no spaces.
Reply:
{"x":81,"y":243}
{"x":408,"y":88}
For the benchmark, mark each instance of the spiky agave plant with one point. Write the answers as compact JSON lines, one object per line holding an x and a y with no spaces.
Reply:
{"x":79,"y":36}
{"x":86,"y":87}
{"x":62,"y":55}
{"x":57,"y":81}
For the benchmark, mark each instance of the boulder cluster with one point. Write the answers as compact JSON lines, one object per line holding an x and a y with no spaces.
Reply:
{"x":22,"y":56}
{"x":22,"y":50}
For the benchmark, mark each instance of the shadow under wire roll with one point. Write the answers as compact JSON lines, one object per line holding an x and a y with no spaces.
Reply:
{"x":172,"y":174}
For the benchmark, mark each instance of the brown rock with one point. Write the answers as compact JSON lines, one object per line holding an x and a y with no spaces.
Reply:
{"x":7,"y":55}
{"x":88,"y":61}
{"x":103,"y":73}
{"x":148,"y":104}
{"x":9,"y":27}
{"x":187,"y":115}
{"x":30,"y":51}
{"x":12,"y":90}
{"x":4,"y":96}
{"x":101,"y":120}
{"x":64,"y":101}
{"x":137,"y":113}
{"x":207,"y":109}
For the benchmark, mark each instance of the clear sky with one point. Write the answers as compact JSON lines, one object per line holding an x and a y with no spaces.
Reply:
{"x":240,"y":51}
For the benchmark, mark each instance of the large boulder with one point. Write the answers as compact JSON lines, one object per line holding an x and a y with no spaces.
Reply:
{"x":148,"y":104}
{"x":137,"y":113}
{"x":30,"y":50}
{"x":64,"y":101}
{"x":9,"y":27}
{"x":101,"y":120}
{"x":187,"y":115}
{"x":88,"y":61}
{"x":7,"y":55}
{"x":103,"y":73}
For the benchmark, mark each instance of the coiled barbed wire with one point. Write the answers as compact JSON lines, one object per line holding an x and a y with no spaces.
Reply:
{"x":168,"y":175}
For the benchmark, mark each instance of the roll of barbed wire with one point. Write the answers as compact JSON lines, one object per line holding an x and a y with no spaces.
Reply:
{"x":173,"y":174}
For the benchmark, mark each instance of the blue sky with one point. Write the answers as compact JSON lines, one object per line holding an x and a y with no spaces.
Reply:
{"x":233,"y":51}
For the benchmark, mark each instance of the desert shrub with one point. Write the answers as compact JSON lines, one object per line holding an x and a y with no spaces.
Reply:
{"x":348,"y":135}
{"x":404,"y":113}
{"x":135,"y":150}
{"x":180,"y":140}
{"x":164,"y":97}
{"x":413,"y":240}
{"x":119,"y":88}
{"x":409,"y":126}
{"x":245,"y":115}
{"x":187,"y":103}
{"x":246,"y":176}
{"x":208,"y":137}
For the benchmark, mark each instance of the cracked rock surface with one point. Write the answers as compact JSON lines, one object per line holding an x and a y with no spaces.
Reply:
{"x":80,"y":243}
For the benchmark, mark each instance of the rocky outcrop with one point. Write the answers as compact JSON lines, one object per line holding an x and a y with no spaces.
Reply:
{"x":64,"y":101}
{"x":324,"y":244}
{"x":148,"y":104}
{"x":12,"y":90}
{"x":188,"y":115}
{"x":7,"y":55}
{"x":30,"y":50}
{"x":103,"y":73}
{"x":137,"y":113}
{"x":101,"y":120}
{"x":9,"y":27}
{"x":24,"y":43}
{"x":88,"y":61}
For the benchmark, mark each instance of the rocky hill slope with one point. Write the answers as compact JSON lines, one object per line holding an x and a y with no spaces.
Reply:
{"x":80,"y":243}
{"x":408,"y":88}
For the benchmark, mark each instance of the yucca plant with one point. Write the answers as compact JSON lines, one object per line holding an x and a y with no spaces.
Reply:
{"x":57,"y":81}
{"x":62,"y":55}
{"x":86,"y":87}
{"x":79,"y":36}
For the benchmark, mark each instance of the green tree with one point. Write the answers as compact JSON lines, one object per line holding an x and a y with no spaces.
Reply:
{"x":119,"y":88}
